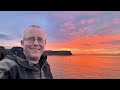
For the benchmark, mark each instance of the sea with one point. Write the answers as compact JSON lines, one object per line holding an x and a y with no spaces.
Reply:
{"x":85,"y":66}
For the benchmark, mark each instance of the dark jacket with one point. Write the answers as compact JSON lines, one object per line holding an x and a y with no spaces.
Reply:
{"x":17,"y":67}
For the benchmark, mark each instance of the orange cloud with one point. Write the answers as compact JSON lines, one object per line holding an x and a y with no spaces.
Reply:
{"x":87,"y":45}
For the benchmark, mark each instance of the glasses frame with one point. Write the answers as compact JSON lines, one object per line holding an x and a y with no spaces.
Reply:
{"x":29,"y":39}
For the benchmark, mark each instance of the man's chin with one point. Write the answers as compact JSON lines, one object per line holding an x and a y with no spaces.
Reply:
{"x":36,"y":56}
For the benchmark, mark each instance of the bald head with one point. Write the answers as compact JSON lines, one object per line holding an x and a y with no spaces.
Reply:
{"x":34,"y":29}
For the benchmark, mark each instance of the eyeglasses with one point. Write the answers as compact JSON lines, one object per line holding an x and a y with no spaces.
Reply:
{"x":32,"y":39}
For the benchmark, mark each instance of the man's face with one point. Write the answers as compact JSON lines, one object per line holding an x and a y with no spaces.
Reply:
{"x":33,"y":43}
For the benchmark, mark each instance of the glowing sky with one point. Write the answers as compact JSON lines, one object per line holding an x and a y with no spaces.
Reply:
{"x":78,"y":31}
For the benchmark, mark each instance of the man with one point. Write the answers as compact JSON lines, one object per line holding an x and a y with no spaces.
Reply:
{"x":30,"y":64}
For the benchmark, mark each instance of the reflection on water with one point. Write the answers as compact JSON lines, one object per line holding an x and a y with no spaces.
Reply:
{"x":85,"y":67}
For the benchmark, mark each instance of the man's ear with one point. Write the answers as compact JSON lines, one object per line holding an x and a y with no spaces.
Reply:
{"x":22,"y":42}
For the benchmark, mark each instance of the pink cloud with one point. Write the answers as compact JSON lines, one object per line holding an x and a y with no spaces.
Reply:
{"x":63,"y":30}
{"x":88,"y":21}
{"x":105,"y":31}
{"x":72,"y":27}
{"x":66,"y":23}
{"x":92,"y":20}
{"x":75,"y":34}
{"x":64,"y":16}
{"x":91,"y":12}
{"x":82,"y":22}
{"x":88,"y":27}
{"x":116,"y":20}
{"x":69,"y":25}
{"x":10,"y":44}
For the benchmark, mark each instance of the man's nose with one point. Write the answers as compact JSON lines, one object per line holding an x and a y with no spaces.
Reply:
{"x":36,"y":42}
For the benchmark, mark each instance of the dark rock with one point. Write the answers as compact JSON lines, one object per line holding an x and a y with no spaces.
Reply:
{"x":3,"y":52}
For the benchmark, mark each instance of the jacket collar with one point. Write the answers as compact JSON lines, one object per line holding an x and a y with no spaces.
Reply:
{"x":21,"y":60}
{"x":26,"y":64}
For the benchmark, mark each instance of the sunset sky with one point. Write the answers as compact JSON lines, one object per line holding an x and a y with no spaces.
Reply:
{"x":82,"y":32}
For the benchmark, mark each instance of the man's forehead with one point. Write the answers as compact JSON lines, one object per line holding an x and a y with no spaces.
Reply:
{"x":34,"y":30}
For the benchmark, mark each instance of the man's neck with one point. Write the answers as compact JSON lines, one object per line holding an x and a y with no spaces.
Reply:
{"x":31,"y":61}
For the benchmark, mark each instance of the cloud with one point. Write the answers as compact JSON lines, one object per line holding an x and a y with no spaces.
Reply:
{"x":112,"y":42}
{"x":86,"y":44}
{"x":116,"y":20}
{"x":78,"y":28}
{"x":93,"y":42}
{"x":82,"y":24}
{"x":4,"y":36}
{"x":104,"y":31}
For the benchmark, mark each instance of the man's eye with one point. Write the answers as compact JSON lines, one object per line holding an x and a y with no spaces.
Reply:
{"x":40,"y":39}
{"x":30,"y":39}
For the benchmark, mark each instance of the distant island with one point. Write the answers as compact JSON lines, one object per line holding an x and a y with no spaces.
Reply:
{"x":117,"y":54}
{"x":57,"y":52}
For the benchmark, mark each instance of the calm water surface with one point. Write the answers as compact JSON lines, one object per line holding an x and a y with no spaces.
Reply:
{"x":85,"y":67}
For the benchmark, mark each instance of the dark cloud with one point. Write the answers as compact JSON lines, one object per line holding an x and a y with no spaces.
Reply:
{"x":86,"y":44}
{"x":111,"y":42}
{"x":4,"y":37}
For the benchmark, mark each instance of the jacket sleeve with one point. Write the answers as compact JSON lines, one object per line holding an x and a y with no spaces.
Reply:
{"x":5,"y":66}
